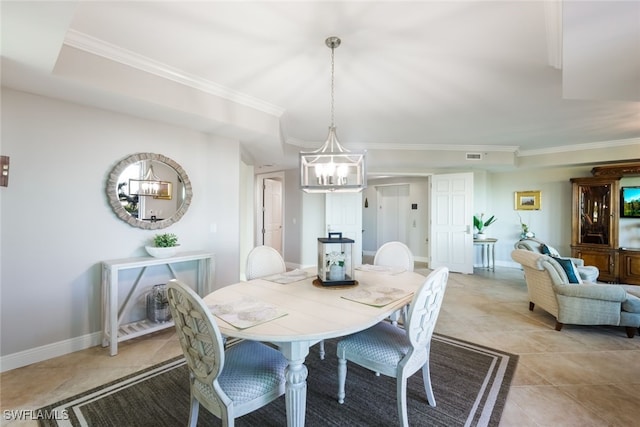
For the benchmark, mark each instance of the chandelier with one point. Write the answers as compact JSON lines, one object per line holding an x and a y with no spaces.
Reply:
{"x":150,"y":185}
{"x":333,"y":168}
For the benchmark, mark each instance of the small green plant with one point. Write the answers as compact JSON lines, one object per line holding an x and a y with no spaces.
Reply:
{"x":480,"y":224}
{"x":166,"y":240}
{"x":335,"y":258}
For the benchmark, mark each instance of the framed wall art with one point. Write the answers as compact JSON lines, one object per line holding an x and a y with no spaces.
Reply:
{"x":527,"y":200}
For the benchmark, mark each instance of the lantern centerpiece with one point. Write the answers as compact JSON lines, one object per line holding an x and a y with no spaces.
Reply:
{"x":335,"y":255}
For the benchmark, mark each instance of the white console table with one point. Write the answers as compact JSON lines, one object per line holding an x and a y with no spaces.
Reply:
{"x":112,"y":331}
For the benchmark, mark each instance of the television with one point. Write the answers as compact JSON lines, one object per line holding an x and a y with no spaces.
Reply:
{"x":630,"y":202}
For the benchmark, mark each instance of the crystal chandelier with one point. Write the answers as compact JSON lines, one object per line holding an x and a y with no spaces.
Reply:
{"x":333,"y":168}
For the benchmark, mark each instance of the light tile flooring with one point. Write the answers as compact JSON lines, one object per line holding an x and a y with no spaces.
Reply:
{"x":581,"y":376}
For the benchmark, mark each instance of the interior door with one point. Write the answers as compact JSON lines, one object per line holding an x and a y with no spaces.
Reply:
{"x":451,"y":217}
{"x":343,"y":213}
{"x":393,"y":213}
{"x":272,"y":213}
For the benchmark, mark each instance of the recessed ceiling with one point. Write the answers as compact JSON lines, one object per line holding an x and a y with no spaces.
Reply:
{"x":411,"y":78}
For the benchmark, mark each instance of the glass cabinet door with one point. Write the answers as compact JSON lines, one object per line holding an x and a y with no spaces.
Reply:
{"x":595,"y":214}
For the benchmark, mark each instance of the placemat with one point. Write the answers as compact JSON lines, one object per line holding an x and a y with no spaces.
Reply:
{"x":246,"y":312}
{"x":288,"y":277}
{"x":377,"y":297}
{"x":384,"y":269}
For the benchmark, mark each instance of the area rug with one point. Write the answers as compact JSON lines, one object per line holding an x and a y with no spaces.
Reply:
{"x":470,"y":383}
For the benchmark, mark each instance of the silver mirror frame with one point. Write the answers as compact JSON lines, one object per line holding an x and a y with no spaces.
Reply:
{"x":118,"y":209}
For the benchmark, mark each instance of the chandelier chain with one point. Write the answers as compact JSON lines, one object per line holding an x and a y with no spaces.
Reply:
{"x":332,"y":83}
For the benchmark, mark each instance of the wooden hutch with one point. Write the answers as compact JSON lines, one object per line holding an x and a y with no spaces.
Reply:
{"x":595,"y":224}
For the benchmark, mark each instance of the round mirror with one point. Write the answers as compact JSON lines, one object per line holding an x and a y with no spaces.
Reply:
{"x":149,"y":191}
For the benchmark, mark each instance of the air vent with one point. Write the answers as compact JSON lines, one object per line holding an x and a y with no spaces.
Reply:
{"x":474,"y":156}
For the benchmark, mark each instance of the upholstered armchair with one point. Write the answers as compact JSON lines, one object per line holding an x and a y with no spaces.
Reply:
{"x":583,"y":303}
{"x":587,"y":272}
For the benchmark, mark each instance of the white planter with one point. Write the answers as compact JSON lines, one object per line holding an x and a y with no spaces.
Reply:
{"x":157,"y":252}
{"x":481,"y":236}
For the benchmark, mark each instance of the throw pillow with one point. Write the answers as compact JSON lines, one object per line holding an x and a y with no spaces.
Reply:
{"x":569,"y":267}
{"x":548,"y":250}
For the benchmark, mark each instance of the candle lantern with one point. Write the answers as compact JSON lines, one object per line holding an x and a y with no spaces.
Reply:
{"x":335,"y":265}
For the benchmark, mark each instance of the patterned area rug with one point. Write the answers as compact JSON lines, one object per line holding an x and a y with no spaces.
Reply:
{"x":470,"y":383}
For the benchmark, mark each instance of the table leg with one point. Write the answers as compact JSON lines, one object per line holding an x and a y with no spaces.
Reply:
{"x":296,"y":387}
{"x":113,"y":314}
{"x":493,"y":257}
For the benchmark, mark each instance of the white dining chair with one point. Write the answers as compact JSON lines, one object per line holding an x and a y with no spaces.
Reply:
{"x":230,"y":383}
{"x":398,"y":352}
{"x":264,"y":261}
{"x":395,"y":254}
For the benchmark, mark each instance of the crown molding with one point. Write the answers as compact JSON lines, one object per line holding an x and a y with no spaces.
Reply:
{"x":580,"y":147}
{"x":409,"y":147}
{"x":95,"y":46}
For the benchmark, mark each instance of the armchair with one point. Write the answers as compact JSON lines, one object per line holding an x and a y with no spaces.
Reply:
{"x":578,"y":304}
{"x":587,"y":272}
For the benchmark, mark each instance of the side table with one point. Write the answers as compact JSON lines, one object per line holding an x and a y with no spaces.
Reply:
{"x":487,"y":249}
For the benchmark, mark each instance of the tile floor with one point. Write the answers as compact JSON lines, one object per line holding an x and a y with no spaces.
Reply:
{"x":581,"y":376}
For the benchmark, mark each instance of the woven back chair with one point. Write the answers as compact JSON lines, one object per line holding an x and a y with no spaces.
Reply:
{"x":228,"y":383}
{"x":398,"y":352}
{"x":264,"y":261}
{"x":395,"y":254}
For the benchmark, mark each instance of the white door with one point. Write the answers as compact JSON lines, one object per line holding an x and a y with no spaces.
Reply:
{"x":451,"y":222}
{"x":393,"y":213}
{"x":343,"y":213}
{"x":272,"y":213}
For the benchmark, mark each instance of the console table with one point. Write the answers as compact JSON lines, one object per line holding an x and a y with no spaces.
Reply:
{"x":112,"y":314}
{"x":487,"y":247}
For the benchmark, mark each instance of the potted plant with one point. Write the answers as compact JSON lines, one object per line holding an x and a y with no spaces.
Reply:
{"x":525,"y":232}
{"x":164,"y":245}
{"x":336,"y":260}
{"x":479,"y":223}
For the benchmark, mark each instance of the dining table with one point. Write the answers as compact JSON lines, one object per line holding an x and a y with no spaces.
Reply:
{"x":293,"y":311}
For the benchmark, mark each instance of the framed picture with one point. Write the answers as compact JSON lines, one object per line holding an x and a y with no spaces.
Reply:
{"x":527,"y":200}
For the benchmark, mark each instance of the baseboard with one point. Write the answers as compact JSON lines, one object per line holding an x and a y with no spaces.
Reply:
{"x":49,"y":351}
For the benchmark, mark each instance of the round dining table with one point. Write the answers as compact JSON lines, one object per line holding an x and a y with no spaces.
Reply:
{"x":306,"y":313}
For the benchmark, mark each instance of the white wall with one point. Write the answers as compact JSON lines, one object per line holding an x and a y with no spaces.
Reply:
{"x":551,"y":224}
{"x":57,"y":226}
{"x":247,"y":215}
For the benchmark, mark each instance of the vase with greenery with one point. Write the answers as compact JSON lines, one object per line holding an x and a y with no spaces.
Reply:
{"x":336,"y":260}
{"x":525,"y":233}
{"x":480,"y":224}
{"x":166,"y":240}
{"x":164,"y":245}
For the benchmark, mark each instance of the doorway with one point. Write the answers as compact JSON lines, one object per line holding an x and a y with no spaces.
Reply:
{"x":393,"y":213}
{"x":270,"y":208}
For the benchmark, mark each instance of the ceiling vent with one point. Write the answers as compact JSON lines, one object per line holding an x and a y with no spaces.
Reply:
{"x":474,"y":156}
